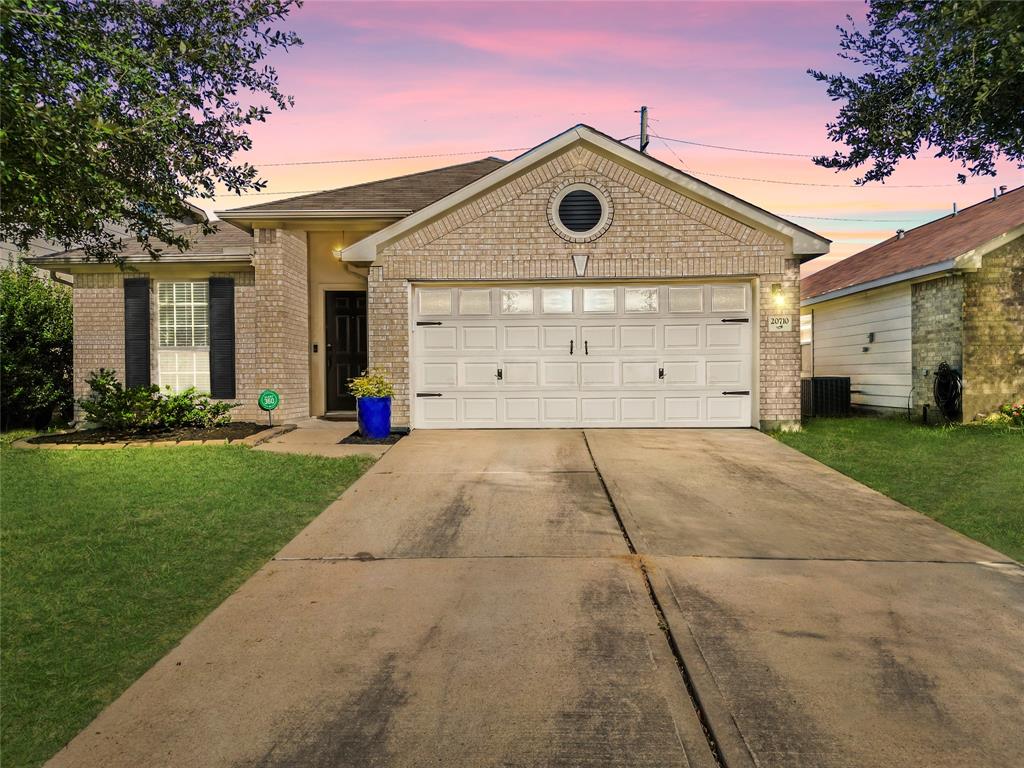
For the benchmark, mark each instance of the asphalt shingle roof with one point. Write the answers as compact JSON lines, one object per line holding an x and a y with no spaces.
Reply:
{"x":932,"y":243}
{"x":402,"y":193}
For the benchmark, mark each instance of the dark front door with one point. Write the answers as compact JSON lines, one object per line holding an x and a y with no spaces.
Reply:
{"x":346,"y":346}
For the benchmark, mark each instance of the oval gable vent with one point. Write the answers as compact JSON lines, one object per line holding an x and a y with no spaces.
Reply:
{"x":579,"y":211}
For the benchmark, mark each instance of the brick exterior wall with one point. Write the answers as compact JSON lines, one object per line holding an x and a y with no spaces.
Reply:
{"x":655,"y":233}
{"x":993,"y":357}
{"x":937,"y":320}
{"x":98,"y":305}
{"x":281,"y":358}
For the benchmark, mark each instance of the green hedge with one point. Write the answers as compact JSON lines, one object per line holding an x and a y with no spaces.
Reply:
{"x":36,"y":347}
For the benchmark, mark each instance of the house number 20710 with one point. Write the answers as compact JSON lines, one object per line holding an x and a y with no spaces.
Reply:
{"x":780,"y":323}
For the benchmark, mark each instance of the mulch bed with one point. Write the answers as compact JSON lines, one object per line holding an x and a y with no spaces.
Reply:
{"x":236,"y":430}
{"x":356,"y":439}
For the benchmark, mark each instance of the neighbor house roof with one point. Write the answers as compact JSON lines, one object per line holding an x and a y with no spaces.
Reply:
{"x":931,"y":247}
{"x":398,"y":196}
{"x":226,"y":243}
{"x":805,"y":242}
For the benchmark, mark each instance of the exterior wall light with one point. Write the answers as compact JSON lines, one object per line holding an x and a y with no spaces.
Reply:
{"x":336,"y":252}
{"x":778,"y":297}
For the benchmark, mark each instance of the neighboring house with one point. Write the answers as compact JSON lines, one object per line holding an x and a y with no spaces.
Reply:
{"x":582,"y":283}
{"x":948,"y":291}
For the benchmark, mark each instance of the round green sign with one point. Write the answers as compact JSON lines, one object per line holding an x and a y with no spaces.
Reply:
{"x":269,"y":400}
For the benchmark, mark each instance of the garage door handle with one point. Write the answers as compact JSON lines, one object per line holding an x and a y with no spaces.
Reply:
{"x":428,"y":394}
{"x":499,"y":375}
{"x":728,"y":320}
{"x":586,"y":347}
{"x":571,"y":343}
{"x":737,"y":392}
{"x":661,"y":373}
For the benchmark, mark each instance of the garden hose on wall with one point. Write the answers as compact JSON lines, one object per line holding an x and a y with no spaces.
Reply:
{"x":947,"y":391}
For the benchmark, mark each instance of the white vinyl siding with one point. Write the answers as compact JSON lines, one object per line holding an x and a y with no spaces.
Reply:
{"x":183,"y":356}
{"x":881,"y":376}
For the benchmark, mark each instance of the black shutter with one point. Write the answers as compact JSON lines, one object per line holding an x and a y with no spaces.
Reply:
{"x":136,"y":332}
{"x":222,"y":337}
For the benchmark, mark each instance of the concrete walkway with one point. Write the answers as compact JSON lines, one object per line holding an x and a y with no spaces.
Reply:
{"x":474,"y":601}
{"x":319,"y":437}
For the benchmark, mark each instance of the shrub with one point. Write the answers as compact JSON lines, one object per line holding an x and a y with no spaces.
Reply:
{"x":35,"y":345}
{"x":1014,"y":412}
{"x":113,"y":406}
{"x":371,"y":385}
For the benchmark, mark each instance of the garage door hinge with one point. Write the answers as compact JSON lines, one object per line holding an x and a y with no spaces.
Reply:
{"x":728,"y":320}
{"x":428,"y":394}
{"x":737,"y":392}
{"x":428,"y":322}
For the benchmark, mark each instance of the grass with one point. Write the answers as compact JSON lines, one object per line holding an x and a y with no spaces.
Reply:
{"x":110,"y":557}
{"x":970,"y":477}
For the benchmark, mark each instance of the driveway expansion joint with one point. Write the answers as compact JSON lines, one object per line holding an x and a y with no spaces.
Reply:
{"x":684,"y":673}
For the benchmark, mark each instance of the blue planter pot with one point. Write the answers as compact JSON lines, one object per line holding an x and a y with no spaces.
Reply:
{"x":374,"y":416}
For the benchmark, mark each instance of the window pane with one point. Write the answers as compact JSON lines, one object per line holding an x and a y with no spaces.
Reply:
{"x":183,"y":314}
{"x":806,"y":329}
{"x":556,"y":300}
{"x":515,"y":301}
{"x":641,"y":300}
{"x":689,"y":298}
{"x":436,"y":302}
{"x":598,"y":299}
{"x":475,"y":302}
{"x":728,"y":298}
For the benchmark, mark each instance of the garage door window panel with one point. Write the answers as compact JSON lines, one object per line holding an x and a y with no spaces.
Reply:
{"x":435,"y":302}
{"x":641,"y":300}
{"x":556,"y":301}
{"x":516,"y":301}
{"x":599,"y":300}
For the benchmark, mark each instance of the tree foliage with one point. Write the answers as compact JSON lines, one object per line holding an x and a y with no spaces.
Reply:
{"x":35,"y":348}
{"x":948,"y":74}
{"x":114,"y":112}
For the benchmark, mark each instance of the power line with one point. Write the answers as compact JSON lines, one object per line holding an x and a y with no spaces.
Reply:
{"x":392,"y":157}
{"x":735,"y":149}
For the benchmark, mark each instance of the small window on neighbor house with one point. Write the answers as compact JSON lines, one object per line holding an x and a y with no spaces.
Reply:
{"x":183,"y":356}
{"x":806,"y":328}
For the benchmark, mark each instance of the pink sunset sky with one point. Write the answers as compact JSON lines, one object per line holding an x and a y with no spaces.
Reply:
{"x":466,"y":80}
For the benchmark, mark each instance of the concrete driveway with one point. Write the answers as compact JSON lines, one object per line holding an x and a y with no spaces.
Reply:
{"x":608,"y":598}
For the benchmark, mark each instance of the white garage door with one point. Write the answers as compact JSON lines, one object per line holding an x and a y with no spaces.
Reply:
{"x":588,"y":355}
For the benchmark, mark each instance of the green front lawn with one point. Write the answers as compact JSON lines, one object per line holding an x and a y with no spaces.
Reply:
{"x":970,"y":478}
{"x":110,"y":557}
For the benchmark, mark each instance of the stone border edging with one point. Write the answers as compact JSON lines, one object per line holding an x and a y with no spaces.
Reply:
{"x":250,"y":441}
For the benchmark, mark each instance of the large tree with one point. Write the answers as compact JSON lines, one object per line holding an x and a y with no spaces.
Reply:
{"x":114,"y":112}
{"x":948,"y":74}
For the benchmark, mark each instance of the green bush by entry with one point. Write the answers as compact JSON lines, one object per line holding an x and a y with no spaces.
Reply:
{"x":35,"y":349}
{"x":114,"y":406}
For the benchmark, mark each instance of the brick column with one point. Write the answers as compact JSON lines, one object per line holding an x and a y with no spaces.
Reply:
{"x":388,"y":332}
{"x":779,"y":351}
{"x":282,"y":319}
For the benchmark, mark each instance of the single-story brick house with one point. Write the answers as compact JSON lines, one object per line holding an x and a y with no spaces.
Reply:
{"x":948,"y":291}
{"x":582,"y":283}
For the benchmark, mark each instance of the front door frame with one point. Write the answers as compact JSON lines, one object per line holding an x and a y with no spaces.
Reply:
{"x":330,"y":404}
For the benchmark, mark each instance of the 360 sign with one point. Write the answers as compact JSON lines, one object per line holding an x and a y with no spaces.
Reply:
{"x":268,"y":401}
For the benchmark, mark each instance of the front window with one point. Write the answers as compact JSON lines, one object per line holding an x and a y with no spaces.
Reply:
{"x":183,"y":358}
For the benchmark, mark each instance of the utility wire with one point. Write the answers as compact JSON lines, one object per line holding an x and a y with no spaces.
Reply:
{"x":735,"y":149}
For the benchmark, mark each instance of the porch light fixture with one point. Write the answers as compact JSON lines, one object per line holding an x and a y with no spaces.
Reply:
{"x":336,"y":252}
{"x":778,"y":297}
